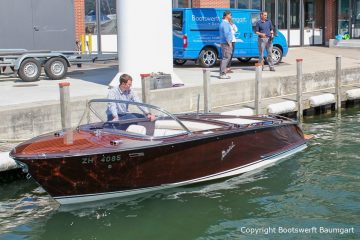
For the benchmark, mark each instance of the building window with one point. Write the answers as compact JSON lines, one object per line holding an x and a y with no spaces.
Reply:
{"x":270,"y":9}
{"x":232,"y":3}
{"x":256,"y":4}
{"x":182,"y":3}
{"x":243,"y":4}
{"x":246,"y":4}
{"x":309,"y":10}
{"x":343,"y":16}
{"x":282,"y":14}
{"x":295,"y":14}
{"x":107,"y":17}
{"x":314,"y":14}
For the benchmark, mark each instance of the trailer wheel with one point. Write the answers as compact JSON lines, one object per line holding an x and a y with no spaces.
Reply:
{"x":30,"y":70}
{"x":56,"y":68}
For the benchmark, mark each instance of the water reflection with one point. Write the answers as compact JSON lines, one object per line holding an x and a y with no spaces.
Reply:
{"x":22,"y":203}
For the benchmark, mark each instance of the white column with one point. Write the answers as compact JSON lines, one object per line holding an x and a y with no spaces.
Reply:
{"x":144,"y":38}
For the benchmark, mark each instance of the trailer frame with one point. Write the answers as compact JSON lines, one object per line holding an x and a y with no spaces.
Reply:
{"x":27,"y":65}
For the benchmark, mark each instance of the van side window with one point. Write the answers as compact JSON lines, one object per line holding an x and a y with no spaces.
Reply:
{"x":177,"y":21}
{"x":255,"y":17}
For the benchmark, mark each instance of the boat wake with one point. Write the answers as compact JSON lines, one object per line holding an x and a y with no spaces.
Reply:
{"x":213,"y":190}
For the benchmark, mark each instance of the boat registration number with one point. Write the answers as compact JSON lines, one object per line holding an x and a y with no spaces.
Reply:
{"x":110,"y":158}
{"x":104,"y":159}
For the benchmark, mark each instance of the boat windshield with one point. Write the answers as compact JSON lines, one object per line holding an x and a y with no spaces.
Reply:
{"x":132,"y":118}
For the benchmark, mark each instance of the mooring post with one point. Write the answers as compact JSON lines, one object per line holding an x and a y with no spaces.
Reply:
{"x":258,"y":79}
{"x":145,"y":86}
{"x":90,"y":43}
{"x":66,"y":112}
{"x":338,"y":84}
{"x":207,"y":94}
{"x":299,"y":98}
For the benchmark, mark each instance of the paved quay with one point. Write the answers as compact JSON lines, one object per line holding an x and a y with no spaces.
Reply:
{"x":92,"y":80}
{"x":315,"y":59}
{"x":29,"y":109}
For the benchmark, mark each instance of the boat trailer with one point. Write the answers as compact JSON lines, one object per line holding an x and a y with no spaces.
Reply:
{"x":28,"y":64}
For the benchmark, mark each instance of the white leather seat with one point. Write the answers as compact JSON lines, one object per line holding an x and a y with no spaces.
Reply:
{"x":138,"y":129}
{"x":166,"y":132}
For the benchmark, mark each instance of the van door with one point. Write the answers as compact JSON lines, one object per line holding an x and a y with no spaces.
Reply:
{"x":243,"y":35}
{"x":178,"y":35}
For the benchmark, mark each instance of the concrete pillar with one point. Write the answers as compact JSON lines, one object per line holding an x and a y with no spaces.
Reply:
{"x":144,"y":39}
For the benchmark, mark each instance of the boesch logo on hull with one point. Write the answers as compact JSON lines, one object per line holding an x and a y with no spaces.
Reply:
{"x":225,"y":152}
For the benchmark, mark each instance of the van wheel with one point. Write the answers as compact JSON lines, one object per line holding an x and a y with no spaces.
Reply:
{"x":179,"y":61}
{"x":276,"y":55}
{"x":30,"y":70}
{"x":208,"y":57}
{"x":244,"y":59}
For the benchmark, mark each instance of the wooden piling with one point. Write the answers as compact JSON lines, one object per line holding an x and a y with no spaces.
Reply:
{"x":145,"y":87}
{"x":299,"y":97}
{"x":207,"y":94}
{"x":338,"y":84}
{"x":65,"y":106}
{"x":258,"y":79}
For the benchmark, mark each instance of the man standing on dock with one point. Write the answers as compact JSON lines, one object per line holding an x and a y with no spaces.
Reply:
{"x":226,"y":43}
{"x":265,"y":31}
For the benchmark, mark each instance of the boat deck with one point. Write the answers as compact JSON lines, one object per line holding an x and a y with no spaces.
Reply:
{"x":131,"y":134}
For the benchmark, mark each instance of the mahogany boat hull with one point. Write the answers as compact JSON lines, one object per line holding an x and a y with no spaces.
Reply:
{"x":191,"y":159}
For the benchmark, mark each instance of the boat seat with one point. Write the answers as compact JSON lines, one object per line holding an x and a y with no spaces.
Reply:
{"x":238,"y":120}
{"x":191,"y":125}
{"x":161,"y":132}
{"x":138,"y":129}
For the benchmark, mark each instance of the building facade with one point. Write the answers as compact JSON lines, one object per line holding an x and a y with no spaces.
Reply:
{"x":303,"y":22}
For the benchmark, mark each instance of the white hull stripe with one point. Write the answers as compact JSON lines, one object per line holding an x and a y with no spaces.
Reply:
{"x":236,"y":171}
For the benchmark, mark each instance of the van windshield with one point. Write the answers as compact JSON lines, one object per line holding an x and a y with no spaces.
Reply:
{"x":177,"y":21}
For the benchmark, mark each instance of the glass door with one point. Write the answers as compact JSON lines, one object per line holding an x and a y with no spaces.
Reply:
{"x":356,"y":19}
{"x":282,"y":19}
{"x":313,"y":22}
{"x":344,"y":17}
{"x":295,"y":23}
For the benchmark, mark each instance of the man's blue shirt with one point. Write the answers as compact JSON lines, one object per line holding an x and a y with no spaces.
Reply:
{"x":264,"y":27}
{"x":225,"y":32}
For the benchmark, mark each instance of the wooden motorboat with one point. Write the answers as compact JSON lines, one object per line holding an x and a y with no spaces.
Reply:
{"x":107,"y":159}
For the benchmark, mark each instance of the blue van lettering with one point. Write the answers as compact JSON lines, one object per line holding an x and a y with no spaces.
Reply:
{"x":239,"y":20}
{"x":205,"y":19}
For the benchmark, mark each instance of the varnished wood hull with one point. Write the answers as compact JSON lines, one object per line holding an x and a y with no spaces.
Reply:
{"x":180,"y":161}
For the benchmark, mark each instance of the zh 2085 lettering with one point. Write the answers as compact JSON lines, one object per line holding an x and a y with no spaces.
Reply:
{"x":104,"y":159}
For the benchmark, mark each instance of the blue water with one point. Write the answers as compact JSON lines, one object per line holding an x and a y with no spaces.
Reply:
{"x":317,"y":190}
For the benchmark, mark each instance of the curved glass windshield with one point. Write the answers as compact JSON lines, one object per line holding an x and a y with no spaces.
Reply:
{"x":132,"y":118}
